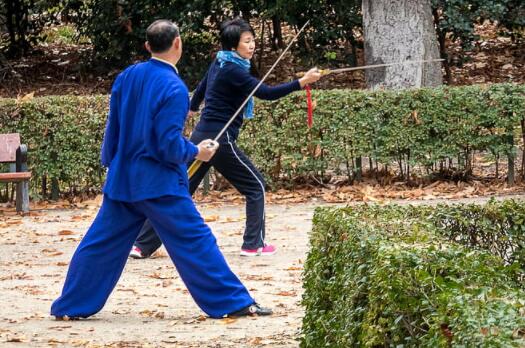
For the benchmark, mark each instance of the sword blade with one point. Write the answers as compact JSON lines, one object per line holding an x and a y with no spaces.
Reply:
{"x":364,"y":67}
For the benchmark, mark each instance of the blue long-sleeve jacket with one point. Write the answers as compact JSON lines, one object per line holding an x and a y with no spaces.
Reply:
{"x":143,"y":146}
{"x":224,"y":90}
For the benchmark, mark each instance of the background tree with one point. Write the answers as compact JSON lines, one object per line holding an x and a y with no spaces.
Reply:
{"x":115,"y":28}
{"x":396,"y":31}
{"x":513,"y":20}
{"x":21,"y":23}
{"x":333,"y":24}
{"x":455,"y":20}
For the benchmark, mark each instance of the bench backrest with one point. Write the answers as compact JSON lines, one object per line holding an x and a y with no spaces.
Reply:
{"x":9,"y":143}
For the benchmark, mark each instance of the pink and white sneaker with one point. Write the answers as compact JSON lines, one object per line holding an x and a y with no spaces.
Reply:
{"x":136,"y":253}
{"x":266,"y":250}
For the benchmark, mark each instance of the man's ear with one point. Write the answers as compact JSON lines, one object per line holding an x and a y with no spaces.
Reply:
{"x":176,"y":43}
{"x":147,"y":46}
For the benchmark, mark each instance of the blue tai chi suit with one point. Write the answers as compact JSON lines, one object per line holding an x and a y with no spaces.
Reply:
{"x":146,"y":154}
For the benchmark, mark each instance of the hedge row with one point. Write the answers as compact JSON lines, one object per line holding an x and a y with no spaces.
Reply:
{"x":389,"y":276}
{"x":430,"y":129}
{"x":424,"y":128}
{"x":64,"y":135}
{"x":497,"y":227}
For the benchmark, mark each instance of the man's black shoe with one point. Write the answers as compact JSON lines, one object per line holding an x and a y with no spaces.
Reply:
{"x":253,"y":309}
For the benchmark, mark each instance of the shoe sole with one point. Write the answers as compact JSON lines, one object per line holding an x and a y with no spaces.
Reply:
{"x":65,"y":318}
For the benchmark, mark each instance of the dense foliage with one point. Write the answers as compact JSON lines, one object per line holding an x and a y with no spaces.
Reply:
{"x":427,"y":131}
{"x":433,"y":130}
{"x":392,"y":276}
{"x":116,"y":27}
{"x":22,"y":22}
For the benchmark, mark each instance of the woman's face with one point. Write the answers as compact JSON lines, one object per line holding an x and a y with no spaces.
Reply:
{"x":246,"y":46}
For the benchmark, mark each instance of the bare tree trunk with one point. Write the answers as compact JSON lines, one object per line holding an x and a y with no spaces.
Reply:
{"x":277,"y":38}
{"x":397,"y":31}
{"x":261,"y":46}
{"x":441,"y":35}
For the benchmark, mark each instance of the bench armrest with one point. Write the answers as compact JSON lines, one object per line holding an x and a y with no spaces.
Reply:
{"x":21,"y":158}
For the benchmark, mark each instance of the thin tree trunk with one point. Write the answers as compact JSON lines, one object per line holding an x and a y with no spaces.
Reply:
{"x":44,"y":186}
{"x":358,"y":168}
{"x":353,"y":56}
{"x":55,"y":189}
{"x":442,"y":47}
{"x":510,"y":159}
{"x":261,"y":46}
{"x":408,"y":166}
{"x":497,"y":165}
{"x":523,"y":150}
{"x":277,"y":38}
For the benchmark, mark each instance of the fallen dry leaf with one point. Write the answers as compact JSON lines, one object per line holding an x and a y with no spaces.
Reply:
{"x":158,"y":254}
{"x":294,"y":268}
{"x":16,"y":338}
{"x":152,"y":314}
{"x":79,"y":343}
{"x":228,"y":320}
{"x":16,"y":222}
{"x":258,"y":277}
{"x":200,"y":318}
{"x":51,"y":252}
{"x":286,"y":293}
{"x":158,"y":275}
{"x":255,"y":341}
{"x":211,"y":218}
{"x":55,"y":341}
{"x":230,"y":219}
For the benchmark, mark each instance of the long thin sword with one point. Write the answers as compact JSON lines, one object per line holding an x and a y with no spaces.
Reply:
{"x":196,"y":164}
{"x":325,"y":72}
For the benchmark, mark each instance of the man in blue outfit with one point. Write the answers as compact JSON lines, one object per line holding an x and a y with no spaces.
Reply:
{"x":146,"y":153}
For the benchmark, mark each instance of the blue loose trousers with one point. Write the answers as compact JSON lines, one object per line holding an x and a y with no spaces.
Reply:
{"x":101,"y":256}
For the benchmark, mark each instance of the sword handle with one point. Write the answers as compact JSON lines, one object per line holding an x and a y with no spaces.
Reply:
{"x":193,"y":168}
{"x":323,"y":72}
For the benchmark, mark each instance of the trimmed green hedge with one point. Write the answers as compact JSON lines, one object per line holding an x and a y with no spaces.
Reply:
{"x":431,"y":129}
{"x":424,"y":127}
{"x":63,"y":134}
{"x":388,"y":276}
{"x":497,"y":227}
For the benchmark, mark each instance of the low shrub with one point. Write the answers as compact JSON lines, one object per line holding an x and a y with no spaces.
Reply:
{"x":389,"y":276}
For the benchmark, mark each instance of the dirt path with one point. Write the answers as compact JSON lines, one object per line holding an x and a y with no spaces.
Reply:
{"x":150,"y":306}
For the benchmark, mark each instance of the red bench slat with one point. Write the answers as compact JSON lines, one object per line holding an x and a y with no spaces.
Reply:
{"x":14,"y":177}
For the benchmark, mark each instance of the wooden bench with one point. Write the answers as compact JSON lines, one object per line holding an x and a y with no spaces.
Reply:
{"x":11,"y":151}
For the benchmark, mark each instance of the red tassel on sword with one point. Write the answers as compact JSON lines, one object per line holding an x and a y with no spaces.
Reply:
{"x":310,"y":120}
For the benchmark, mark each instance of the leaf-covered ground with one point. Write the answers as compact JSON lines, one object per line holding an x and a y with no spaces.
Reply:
{"x":150,"y":306}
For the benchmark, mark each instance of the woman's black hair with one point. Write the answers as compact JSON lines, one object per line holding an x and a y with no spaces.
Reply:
{"x":231,"y":32}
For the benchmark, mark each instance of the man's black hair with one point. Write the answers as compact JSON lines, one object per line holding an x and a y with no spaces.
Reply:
{"x":160,"y":35}
{"x":231,"y":33}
